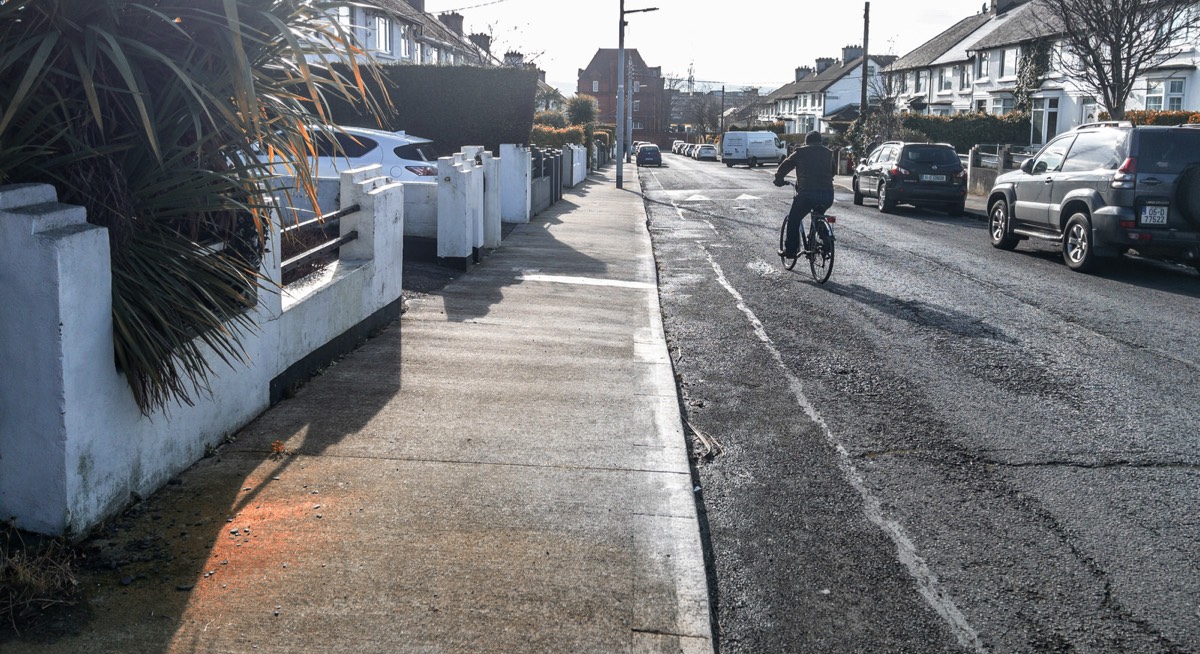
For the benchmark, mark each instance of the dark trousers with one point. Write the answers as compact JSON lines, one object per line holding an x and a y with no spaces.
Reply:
{"x":804,"y":202}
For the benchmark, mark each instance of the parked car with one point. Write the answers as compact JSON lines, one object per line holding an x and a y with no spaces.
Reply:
{"x":649,"y":155}
{"x":404,"y":157}
{"x":675,"y":145}
{"x":1104,"y":189}
{"x":691,"y":149}
{"x":920,"y":174}
{"x":706,"y":152}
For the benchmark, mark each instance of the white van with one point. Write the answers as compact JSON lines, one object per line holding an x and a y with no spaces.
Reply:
{"x":752,"y":148}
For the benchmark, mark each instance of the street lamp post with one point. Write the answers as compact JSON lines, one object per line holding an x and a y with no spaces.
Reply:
{"x":621,"y":117}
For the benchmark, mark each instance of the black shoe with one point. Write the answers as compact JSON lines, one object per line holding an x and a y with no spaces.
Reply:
{"x":787,"y":255}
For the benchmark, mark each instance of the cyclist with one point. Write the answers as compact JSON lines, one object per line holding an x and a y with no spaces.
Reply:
{"x":813,"y":164}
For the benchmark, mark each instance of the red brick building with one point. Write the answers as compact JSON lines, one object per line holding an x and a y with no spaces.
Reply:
{"x":651,"y":108}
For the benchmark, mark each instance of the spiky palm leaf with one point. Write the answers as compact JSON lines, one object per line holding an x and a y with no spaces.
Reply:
{"x":149,"y":114}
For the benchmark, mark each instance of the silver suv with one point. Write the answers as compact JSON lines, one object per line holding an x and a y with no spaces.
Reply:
{"x":1104,"y":189}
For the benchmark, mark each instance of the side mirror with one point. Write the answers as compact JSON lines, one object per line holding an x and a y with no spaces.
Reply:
{"x":1027,"y":166}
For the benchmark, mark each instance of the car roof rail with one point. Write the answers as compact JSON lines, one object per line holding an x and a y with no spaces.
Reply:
{"x":1107,"y":123}
{"x":1190,"y":125}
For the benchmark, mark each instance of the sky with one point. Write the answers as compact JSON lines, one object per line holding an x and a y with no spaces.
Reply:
{"x":761,"y":46}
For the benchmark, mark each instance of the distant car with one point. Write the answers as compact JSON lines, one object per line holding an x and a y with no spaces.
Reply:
{"x":649,"y":155}
{"x":404,"y":157}
{"x":920,"y":174}
{"x":675,"y":145}
{"x":690,"y":151}
{"x":706,"y":152}
{"x":1103,"y":189}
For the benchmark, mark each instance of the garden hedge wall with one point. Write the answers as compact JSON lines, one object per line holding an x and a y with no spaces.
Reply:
{"x":453,"y":105}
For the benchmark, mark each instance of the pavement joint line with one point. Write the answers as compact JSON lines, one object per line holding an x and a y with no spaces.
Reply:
{"x":588,"y":281}
{"x":508,"y":464}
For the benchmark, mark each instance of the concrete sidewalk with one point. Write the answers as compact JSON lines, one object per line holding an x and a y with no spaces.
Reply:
{"x":514,"y":478}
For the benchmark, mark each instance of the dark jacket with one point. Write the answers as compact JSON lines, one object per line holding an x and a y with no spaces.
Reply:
{"x":813,"y":165}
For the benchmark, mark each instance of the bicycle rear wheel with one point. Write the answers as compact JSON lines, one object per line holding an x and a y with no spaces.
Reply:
{"x":788,"y":262}
{"x":820,"y":251}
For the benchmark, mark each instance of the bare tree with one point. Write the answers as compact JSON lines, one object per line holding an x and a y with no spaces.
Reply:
{"x":705,"y":114}
{"x":1114,"y":42}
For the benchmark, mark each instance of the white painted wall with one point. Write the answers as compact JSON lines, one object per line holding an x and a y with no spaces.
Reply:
{"x":73,"y":445}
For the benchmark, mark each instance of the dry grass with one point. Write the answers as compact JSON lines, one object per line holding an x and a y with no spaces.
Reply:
{"x":33,"y":576}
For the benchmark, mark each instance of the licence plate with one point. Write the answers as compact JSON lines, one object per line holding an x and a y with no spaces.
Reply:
{"x":933,"y":178}
{"x":1154,"y":214}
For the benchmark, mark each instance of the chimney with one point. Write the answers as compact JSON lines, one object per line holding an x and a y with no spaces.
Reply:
{"x":453,"y":20}
{"x":482,"y":41}
{"x":824,"y":63}
{"x":419,"y":5}
{"x":802,"y":72}
{"x":514,"y":59}
{"x":1001,"y":6}
{"x":851,"y":52}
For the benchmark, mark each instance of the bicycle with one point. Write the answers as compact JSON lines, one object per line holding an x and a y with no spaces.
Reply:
{"x":816,"y":246}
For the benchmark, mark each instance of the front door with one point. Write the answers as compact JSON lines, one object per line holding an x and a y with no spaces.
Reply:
{"x":1045,"y":121}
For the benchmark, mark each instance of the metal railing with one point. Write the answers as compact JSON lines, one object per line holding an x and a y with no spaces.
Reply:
{"x":320,"y":223}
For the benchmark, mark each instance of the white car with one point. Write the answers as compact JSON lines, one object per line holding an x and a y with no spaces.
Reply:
{"x":404,"y":157}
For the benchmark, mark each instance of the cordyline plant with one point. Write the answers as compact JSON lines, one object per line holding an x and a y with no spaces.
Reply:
{"x":149,"y":114}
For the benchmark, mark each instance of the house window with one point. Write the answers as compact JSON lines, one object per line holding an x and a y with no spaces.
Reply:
{"x":903,"y":82}
{"x":946,"y":79}
{"x":1001,"y":106}
{"x":1165,"y":94}
{"x":595,"y":86}
{"x":984,"y":64}
{"x":345,"y":17}
{"x":981,"y":106}
{"x":637,"y":105}
{"x":406,"y":49}
{"x":964,"y":77}
{"x":1008,"y":62}
{"x":637,"y":86}
{"x":919,"y":86}
{"x":383,"y":34}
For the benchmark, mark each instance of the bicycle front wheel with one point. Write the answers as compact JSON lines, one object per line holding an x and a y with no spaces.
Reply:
{"x":820,"y":251}
{"x":788,"y":262}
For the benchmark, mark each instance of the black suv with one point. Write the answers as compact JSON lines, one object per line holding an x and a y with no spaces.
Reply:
{"x":1104,"y":189}
{"x":920,"y":174}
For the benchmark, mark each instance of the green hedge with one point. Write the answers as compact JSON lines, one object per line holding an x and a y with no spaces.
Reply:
{"x":1142,"y":117}
{"x":453,"y":105}
{"x":964,"y":131}
{"x":545,"y":136}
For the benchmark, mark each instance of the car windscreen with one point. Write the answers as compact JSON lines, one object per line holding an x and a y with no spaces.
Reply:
{"x":1168,"y":151}
{"x":930,"y":155}
{"x":417,"y":151}
{"x":649,"y":148}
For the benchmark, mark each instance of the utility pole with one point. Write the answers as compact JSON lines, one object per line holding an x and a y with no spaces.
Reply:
{"x":863,"y":107}
{"x":621,"y":117}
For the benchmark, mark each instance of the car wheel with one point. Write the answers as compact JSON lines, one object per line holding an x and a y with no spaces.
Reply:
{"x":886,"y":203}
{"x":858,"y":196}
{"x":1000,"y":226}
{"x":728,"y":164}
{"x":753,"y":162}
{"x":1077,"y":244}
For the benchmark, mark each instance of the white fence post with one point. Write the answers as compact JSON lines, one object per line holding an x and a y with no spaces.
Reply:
{"x":516,"y":176}
{"x":455,"y":233}
{"x":491,"y":201}
{"x":55,"y":305}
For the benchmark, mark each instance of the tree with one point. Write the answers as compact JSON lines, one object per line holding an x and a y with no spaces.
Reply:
{"x":1112,"y":43}
{"x":705,"y":114}
{"x":582,"y":110}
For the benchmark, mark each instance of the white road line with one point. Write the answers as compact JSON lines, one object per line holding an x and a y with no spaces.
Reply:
{"x":927,"y":582}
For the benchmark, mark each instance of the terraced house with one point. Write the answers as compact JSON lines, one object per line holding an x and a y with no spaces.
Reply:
{"x":827,"y":95}
{"x":976,"y":65}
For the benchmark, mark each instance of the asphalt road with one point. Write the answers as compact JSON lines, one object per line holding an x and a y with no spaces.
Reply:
{"x":946,"y":447}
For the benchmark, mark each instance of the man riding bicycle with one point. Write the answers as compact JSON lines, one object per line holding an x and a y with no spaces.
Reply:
{"x":813,"y":164}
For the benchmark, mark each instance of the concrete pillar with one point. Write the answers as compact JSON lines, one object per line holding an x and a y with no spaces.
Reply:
{"x":55,"y":310}
{"x":491,"y":201}
{"x":455,"y":233}
{"x":516,"y":176}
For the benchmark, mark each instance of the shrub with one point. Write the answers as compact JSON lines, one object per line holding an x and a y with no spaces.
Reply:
{"x":544,"y":136}
{"x":1143,"y":117}
{"x":550,"y":119}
